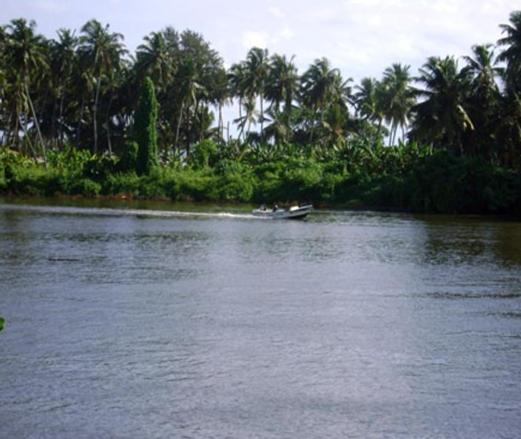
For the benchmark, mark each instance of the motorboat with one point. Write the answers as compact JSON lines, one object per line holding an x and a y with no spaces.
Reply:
{"x":293,"y":212}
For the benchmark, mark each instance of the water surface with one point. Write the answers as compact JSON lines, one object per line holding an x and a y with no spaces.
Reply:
{"x":165,"y":323}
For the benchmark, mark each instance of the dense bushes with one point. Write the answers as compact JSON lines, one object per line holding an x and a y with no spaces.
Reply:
{"x":404,"y":178}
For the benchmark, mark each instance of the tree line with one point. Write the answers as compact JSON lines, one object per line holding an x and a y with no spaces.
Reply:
{"x":81,"y":89}
{"x":80,"y":115}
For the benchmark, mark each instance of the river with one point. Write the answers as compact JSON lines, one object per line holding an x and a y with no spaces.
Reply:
{"x":165,"y":321}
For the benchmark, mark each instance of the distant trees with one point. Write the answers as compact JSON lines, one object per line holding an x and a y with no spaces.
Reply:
{"x":83,"y":91}
{"x":102,"y":50}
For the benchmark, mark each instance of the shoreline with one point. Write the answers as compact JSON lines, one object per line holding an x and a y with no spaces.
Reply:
{"x":161,"y":203}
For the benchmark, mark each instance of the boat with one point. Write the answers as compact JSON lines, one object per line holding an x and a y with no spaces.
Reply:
{"x":293,"y":212}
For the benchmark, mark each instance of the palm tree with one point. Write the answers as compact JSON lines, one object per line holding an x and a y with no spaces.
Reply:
{"x":4,"y":118}
{"x":398,"y":97}
{"x":63,"y":62}
{"x":256,"y":73}
{"x":485,"y":97}
{"x":104,"y":51}
{"x":282,"y":82}
{"x":365,"y":99}
{"x":483,"y":68}
{"x":512,"y":52}
{"x":220,"y":95}
{"x":316,"y":88}
{"x":280,"y":128}
{"x":27,"y":63}
{"x":154,"y":59}
{"x":250,"y":117}
{"x":236,"y":79}
{"x":188,"y":85}
{"x":441,"y":118}
{"x":508,"y":130}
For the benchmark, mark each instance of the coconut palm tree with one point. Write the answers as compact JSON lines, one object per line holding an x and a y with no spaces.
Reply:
{"x":282,"y":82}
{"x":236,"y":78}
{"x":256,"y":73}
{"x":155,"y":60}
{"x":317,"y":85}
{"x":365,"y":99}
{"x":508,"y":130}
{"x":4,"y":117}
{"x":188,"y":86}
{"x":27,"y":63}
{"x":398,"y":98}
{"x":512,"y":52}
{"x":484,"y":99}
{"x":441,"y":118}
{"x":104,"y":50}
{"x":250,"y":117}
{"x":63,"y":63}
{"x":220,"y":95}
{"x":280,"y":127}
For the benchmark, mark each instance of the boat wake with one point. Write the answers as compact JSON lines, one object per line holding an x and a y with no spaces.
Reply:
{"x":106,"y":211}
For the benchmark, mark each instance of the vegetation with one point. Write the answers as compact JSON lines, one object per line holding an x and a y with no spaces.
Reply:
{"x":2,"y":323}
{"x":145,"y":129}
{"x":78,"y":116}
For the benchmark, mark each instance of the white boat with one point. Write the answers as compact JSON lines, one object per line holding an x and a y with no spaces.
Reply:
{"x":294,"y":212}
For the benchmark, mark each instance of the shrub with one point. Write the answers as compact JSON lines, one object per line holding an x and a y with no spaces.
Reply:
{"x":204,"y":154}
{"x":128,"y":159}
{"x":85,"y":187}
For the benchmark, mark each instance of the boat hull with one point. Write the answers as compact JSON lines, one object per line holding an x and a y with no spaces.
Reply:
{"x":295,"y":212}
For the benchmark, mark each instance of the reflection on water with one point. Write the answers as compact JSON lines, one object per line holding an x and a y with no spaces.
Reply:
{"x":166,"y":323}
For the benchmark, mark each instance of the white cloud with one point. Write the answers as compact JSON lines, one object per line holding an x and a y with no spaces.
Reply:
{"x":276,"y":12}
{"x":254,"y":39}
{"x":362,"y":37}
{"x":287,"y":33}
{"x":52,"y":6}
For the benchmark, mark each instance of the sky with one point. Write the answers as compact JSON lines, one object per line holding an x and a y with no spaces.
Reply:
{"x":360,"y":37}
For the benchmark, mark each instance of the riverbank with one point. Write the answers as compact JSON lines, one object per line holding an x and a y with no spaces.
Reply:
{"x":438,"y":182}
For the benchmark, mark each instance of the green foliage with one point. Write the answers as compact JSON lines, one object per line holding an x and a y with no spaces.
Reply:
{"x":446,"y":183}
{"x":2,"y":323}
{"x":128,"y":160}
{"x":236,"y":181}
{"x":85,"y":187}
{"x":204,"y":154}
{"x":122,"y":183}
{"x":70,"y":161}
{"x":405,"y":177}
{"x":98,"y":168}
{"x":145,"y":130}
{"x":192,"y":185}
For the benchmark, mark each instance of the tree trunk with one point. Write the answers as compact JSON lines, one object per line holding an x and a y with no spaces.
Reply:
{"x":60,"y":124}
{"x":378,"y":130}
{"x":26,"y":136}
{"x":179,"y":119}
{"x":95,"y":114}
{"x":109,"y":143}
{"x":15,"y":132}
{"x":78,"y":128}
{"x":221,"y":122}
{"x":189,"y":127}
{"x":392,"y":135}
{"x":240,"y":115}
{"x":262,"y":113}
{"x":42,"y":145}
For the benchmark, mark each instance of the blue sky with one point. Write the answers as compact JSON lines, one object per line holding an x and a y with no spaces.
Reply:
{"x":361,"y":37}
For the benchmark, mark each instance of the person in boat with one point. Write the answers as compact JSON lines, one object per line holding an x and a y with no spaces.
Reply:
{"x":275,"y":207}
{"x":262,"y":207}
